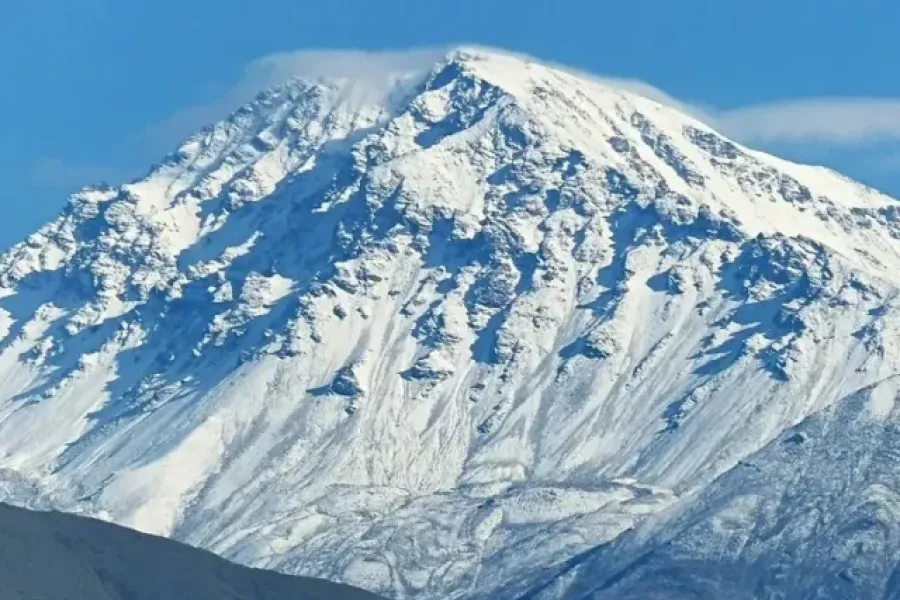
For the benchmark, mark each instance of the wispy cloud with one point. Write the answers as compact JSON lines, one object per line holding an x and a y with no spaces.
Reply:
{"x":372,"y":72}
{"x":821,"y":120}
{"x":53,"y":172}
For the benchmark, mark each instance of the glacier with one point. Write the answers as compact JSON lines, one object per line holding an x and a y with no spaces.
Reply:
{"x":462,"y":334}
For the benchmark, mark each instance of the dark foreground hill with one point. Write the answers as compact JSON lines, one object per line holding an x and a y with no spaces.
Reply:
{"x":55,"y":556}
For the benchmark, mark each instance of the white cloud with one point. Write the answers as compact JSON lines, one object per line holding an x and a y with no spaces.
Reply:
{"x":372,"y":72}
{"x":818,"y":120}
{"x":53,"y":172}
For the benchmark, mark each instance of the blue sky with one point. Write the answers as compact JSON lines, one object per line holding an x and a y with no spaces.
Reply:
{"x":100,"y":89}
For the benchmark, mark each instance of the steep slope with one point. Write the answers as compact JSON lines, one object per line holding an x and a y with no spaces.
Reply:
{"x":815,"y":514}
{"x":54,"y":556}
{"x":428,"y":339}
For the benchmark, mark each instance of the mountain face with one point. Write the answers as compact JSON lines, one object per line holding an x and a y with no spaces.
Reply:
{"x":457,"y":338}
{"x":815,"y":514}
{"x":53,"y":556}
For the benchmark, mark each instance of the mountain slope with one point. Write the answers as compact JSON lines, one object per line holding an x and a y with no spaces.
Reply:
{"x":53,"y":556}
{"x":428,"y":338}
{"x":812,"y":515}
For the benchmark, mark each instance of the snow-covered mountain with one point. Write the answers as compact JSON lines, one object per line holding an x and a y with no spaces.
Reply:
{"x":440,"y":337}
{"x":53,"y":556}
